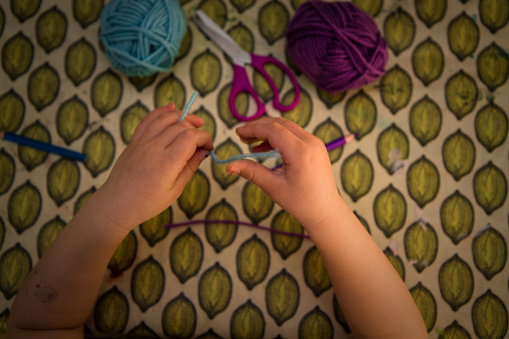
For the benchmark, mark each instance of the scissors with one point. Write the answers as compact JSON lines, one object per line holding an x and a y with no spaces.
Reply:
{"x":240,"y":59}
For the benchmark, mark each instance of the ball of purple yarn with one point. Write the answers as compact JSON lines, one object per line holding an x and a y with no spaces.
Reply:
{"x":336,"y":45}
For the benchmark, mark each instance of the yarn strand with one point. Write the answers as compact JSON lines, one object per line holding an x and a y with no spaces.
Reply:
{"x":270,"y":229}
{"x":260,"y":155}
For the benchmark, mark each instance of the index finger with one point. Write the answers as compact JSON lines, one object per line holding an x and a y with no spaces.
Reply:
{"x":277,"y":134}
{"x":290,"y":125}
{"x":151,"y":116}
{"x":157,"y":115}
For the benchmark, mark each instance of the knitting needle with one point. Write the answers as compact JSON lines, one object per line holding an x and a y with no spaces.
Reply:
{"x":336,"y":143}
{"x":43,"y":146}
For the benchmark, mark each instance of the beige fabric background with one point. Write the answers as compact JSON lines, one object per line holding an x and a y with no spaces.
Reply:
{"x":471,"y":298}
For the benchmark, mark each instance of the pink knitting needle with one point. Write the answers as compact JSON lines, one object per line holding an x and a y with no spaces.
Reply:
{"x":333,"y":144}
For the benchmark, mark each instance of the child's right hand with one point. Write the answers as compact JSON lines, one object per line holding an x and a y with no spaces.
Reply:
{"x":304,"y":186}
{"x":154,"y":168}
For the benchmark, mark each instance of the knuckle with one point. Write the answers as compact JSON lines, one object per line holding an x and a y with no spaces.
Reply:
{"x":278,"y":119}
{"x":277,"y":127}
{"x":313,"y":149}
{"x":318,"y":142}
{"x":307,"y":154}
{"x":169,"y":116}
{"x":250,"y":176}
{"x":188,"y":134}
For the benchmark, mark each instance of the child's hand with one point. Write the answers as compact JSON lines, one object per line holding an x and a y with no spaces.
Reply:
{"x":304,"y":186}
{"x":154,"y":168}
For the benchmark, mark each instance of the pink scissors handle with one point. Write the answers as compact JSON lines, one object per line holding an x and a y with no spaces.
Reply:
{"x":258,"y":62}
{"x":241,"y":84}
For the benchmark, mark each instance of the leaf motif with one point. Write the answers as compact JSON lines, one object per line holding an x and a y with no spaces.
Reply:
{"x":489,"y":316}
{"x":111,"y":312}
{"x":456,"y":282}
{"x":426,"y":304}
{"x":421,"y":245}
{"x":316,"y":324}
{"x":214,"y":290}
{"x":315,"y":273}
{"x":253,"y":262}
{"x":147,"y":283}
{"x":396,"y":89}
{"x":390,"y":210}
{"x":186,"y":255}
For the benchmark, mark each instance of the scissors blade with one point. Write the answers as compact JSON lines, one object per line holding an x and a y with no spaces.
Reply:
{"x":221,"y":38}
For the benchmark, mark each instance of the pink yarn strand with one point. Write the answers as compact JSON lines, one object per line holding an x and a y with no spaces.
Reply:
{"x":270,"y":229}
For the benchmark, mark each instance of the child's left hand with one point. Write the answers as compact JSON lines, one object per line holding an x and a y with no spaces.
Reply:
{"x":154,"y":168}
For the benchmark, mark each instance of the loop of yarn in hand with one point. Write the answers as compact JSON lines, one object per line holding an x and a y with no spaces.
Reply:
{"x":260,"y":155}
{"x":336,"y":45}
{"x":142,"y":37}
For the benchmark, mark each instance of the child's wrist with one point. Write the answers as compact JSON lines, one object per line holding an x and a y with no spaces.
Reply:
{"x":327,"y":217}
{"x":105,"y":212}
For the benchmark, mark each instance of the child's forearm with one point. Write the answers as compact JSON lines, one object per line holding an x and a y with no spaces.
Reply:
{"x":149,"y":175}
{"x":61,"y":289}
{"x":372,"y":296}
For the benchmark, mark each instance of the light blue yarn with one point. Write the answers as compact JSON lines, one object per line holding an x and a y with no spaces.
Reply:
{"x":261,"y":155}
{"x":142,"y":37}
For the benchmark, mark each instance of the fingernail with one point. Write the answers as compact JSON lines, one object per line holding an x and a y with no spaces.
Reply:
{"x":204,"y":154}
{"x":232,"y":170}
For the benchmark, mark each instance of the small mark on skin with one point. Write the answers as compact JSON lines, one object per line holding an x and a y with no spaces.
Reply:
{"x":45,"y":294}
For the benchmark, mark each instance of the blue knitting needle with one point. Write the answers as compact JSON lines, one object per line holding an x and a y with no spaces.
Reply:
{"x":43,"y":146}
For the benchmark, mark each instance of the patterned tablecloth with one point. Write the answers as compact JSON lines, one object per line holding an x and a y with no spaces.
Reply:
{"x":427,"y":174}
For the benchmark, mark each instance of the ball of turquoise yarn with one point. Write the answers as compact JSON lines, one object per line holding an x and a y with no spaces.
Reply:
{"x":142,"y":37}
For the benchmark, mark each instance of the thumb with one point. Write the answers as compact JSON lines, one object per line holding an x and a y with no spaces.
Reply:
{"x":190,"y":168}
{"x":254,"y":172}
